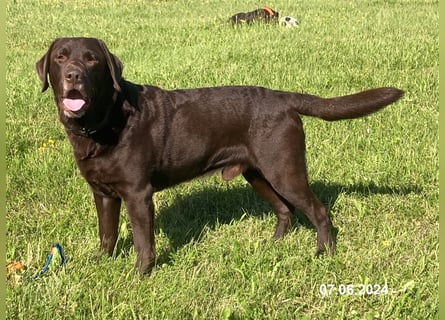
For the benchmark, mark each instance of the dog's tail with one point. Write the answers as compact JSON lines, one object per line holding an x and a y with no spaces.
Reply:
{"x":350,"y":106}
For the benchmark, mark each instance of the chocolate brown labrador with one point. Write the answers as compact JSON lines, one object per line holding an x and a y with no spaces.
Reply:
{"x":131,"y":140}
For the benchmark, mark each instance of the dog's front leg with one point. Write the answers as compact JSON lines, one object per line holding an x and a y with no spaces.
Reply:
{"x":108,"y":210}
{"x":141,"y":213}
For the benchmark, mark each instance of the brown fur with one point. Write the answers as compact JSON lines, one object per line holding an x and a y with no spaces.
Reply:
{"x":131,"y":141}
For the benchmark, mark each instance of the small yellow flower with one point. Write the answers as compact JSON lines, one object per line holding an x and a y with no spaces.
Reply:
{"x":49,"y":144}
{"x":385,"y":243}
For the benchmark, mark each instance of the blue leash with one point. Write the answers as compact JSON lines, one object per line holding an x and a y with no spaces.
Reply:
{"x":55,"y":249}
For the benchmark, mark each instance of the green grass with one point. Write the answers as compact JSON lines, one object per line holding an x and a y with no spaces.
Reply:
{"x":377,"y":175}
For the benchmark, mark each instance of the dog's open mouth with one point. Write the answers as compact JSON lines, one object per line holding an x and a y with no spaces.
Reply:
{"x":74,"y":101}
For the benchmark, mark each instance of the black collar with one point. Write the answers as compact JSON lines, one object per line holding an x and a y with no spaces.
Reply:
{"x":83,"y":132}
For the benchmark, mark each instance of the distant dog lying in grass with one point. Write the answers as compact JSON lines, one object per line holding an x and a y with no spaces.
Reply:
{"x":264,"y":14}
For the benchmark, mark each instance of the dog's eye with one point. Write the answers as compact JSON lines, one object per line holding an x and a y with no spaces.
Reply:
{"x":90,"y":59}
{"x":61,"y":57}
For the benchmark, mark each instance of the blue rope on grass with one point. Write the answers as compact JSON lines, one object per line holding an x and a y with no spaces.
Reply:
{"x":55,"y":249}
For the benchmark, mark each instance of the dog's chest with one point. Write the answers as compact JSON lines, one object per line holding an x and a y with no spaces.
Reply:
{"x":101,"y":167}
{"x":102,"y":175}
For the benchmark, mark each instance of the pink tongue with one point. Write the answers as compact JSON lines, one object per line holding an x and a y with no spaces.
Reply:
{"x":73,"y":104}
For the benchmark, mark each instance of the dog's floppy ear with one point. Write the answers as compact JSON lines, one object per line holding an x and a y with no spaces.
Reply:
{"x":42,"y":66}
{"x":114,"y":64}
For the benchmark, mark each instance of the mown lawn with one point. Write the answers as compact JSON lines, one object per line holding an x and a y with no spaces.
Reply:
{"x":377,"y":175}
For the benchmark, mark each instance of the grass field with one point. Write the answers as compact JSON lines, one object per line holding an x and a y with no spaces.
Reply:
{"x":377,"y":175}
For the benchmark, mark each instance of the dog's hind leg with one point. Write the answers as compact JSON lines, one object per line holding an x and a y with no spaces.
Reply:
{"x":281,"y":160}
{"x":282,"y":210}
{"x":289,"y":179}
{"x":297,"y":192}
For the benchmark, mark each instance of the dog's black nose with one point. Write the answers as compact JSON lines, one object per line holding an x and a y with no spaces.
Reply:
{"x":73,"y":76}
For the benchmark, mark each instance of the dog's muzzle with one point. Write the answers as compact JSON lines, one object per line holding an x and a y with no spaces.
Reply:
{"x":74,"y":98}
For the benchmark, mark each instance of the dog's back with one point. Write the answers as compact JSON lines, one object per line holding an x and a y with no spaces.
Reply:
{"x":264,"y":14}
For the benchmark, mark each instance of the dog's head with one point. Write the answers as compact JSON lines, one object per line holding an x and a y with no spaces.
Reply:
{"x":82,"y":73}
{"x":289,"y":22}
